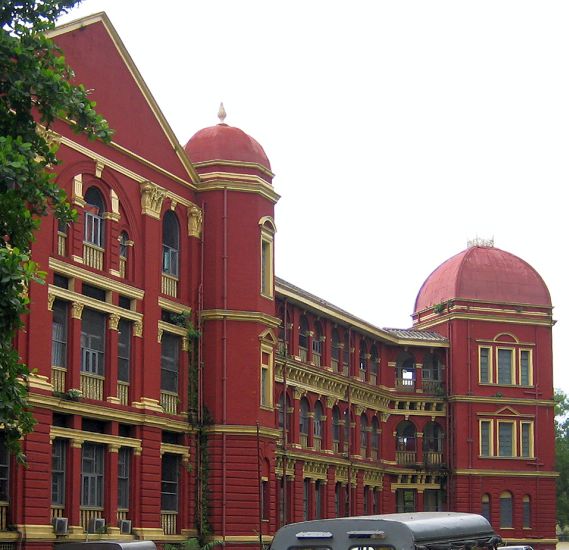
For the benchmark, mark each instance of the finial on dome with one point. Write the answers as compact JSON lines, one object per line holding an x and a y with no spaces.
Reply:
{"x":221,"y":114}
{"x":479,"y":241}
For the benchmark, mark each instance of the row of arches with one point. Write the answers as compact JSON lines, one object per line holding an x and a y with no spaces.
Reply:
{"x":346,"y":432}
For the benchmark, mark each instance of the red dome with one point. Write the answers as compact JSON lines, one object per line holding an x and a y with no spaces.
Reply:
{"x":487,"y":274}
{"x":223,"y":142}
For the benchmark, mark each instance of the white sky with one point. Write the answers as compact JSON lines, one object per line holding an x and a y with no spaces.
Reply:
{"x":397,"y":130}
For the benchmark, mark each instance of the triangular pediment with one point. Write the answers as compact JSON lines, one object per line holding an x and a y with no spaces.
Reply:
{"x":507,"y":411}
{"x":95,"y":52}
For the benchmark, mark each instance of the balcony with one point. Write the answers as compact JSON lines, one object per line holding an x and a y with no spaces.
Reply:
{"x":168,"y":521}
{"x":334,"y":365}
{"x":169,"y":402}
{"x":169,"y":285}
{"x":93,"y":255}
{"x":405,"y":458}
{"x":122,"y":392}
{"x":122,"y":267}
{"x":303,"y":354}
{"x":317,"y":442}
{"x":304,"y":441}
{"x":433,"y":386}
{"x":87,"y":514}
{"x":58,"y":379}
{"x":92,"y":386}
{"x":3,"y":516}
{"x":405,"y":384}
{"x":373,"y":454}
{"x":61,"y":243}
{"x":316,"y":359}
{"x":433,"y":458}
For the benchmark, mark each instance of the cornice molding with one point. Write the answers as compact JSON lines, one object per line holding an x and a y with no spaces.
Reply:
{"x":221,"y":181}
{"x":505,"y":473}
{"x":501,"y":400}
{"x":236,"y":429}
{"x":74,"y":271}
{"x":241,"y":164}
{"x":236,"y":315}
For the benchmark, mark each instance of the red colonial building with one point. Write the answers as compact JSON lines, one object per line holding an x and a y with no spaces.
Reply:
{"x":180,"y":388}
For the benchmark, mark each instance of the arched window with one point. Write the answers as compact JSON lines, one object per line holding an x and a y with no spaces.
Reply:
{"x":375,"y":438}
{"x":318,"y":426}
{"x":432,"y":375}
{"x":485,"y":508}
{"x":433,"y":443}
{"x":506,"y":510}
{"x":363,"y":435}
{"x":284,"y":414}
{"x":346,"y":354}
{"x":94,"y":212}
{"x":363,"y":360}
{"x":317,"y":344}
{"x":123,"y":253}
{"x":303,"y":338}
{"x":406,"y":437}
{"x":336,"y":347}
{"x":304,"y":421}
{"x":526,"y":509}
{"x":405,"y":372}
{"x":373,"y":362}
{"x":170,"y":244}
{"x":336,"y":428}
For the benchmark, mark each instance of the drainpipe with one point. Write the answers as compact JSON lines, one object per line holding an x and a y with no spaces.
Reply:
{"x":224,"y":363}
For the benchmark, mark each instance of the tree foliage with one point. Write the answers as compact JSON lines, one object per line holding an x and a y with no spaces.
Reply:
{"x":562,"y":455}
{"x":36,"y":89}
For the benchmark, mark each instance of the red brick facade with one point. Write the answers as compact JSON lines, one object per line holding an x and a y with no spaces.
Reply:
{"x":181,"y":387}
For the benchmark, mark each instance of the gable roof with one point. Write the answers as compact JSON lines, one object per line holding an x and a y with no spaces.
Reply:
{"x":97,"y":55}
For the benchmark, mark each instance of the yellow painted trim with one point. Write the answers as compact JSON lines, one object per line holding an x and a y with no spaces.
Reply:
{"x":330,"y":311}
{"x":104,"y":412}
{"x":172,"y":329}
{"x":92,"y":437}
{"x":423,"y":325}
{"x":92,"y":303}
{"x":244,"y":430}
{"x":513,"y":368}
{"x":530,"y":366}
{"x":71,"y":270}
{"x":172,"y":448}
{"x":490,"y":365}
{"x":173,"y":306}
{"x":35,"y":532}
{"x":149,"y":533}
{"x":505,"y":473}
{"x":241,"y":164}
{"x":490,"y":438}
{"x":531,"y":439}
{"x":39,"y":382}
{"x":266,"y":393}
{"x":267,"y":263}
{"x":235,"y":315}
{"x":130,"y":65}
{"x":257,"y":186}
{"x":498,"y":400}
{"x":533,"y":540}
{"x":253,"y":539}
{"x":493,"y":341}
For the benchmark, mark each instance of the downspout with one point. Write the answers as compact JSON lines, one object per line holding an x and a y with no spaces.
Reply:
{"x":285,"y":412}
{"x":470,"y":440}
{"x":349,"y":420}
{"x":224,"y":363}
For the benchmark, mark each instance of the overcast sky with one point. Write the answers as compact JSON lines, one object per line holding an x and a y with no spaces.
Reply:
{"x":397,"y":130}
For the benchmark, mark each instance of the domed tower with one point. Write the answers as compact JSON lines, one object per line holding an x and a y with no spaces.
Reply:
{"x":238,"y":325}
{"x":496,"y":311}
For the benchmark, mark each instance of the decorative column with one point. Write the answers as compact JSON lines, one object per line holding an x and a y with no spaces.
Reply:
{"x":111,"y":374}
{"x":419,"y":445}
{"x":74,"y":345}
{"x":327,"y":422}
{"x":73,"y":493}
{"x":111,"y":488}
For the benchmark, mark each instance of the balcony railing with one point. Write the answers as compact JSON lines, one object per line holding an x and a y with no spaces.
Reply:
{"x":433,"y":458}
{"x":169,"y":402}
{"x":373,"y":454}
{"x":3,"y":516}
{"x":281,"y":348}
{"x":405,"y":384}
{"x":433,"y":386}
{"x":334,"y":365}
{"x":122,"y":267}
{"x":304,"y":440}
{"x":58,"y":378}
{"x":316,"y":359}
{"x":168,"y":522}
{"x":303,"y":354}
{"x":405,"y":457}
{"x":122,"y":392}
{"x":57,"y":512}
{"x":317,"y":442}
{"x":93,"y":255}
{"x":87,"y":514}
{"x":122,"y":513}
{"x":336,"y":446}
{"x":92,"y":386}
{"x":169,"y":285}
{"x":61,"y":243}
{"x":372,"y":379}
